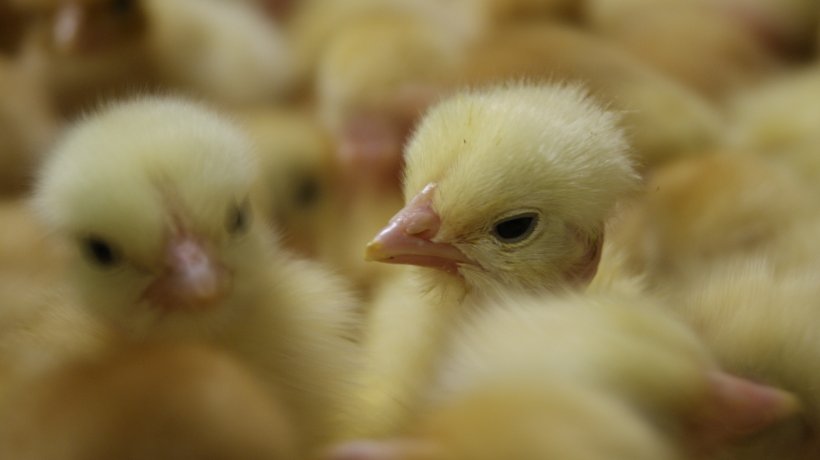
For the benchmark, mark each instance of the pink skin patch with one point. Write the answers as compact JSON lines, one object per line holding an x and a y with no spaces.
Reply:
{"x":738,"y":407}
{"x":408,"y":238}
{"x":191,"y":279}
{"x":68,"y":21}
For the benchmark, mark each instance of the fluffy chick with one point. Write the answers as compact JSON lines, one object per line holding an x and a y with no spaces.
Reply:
{"x":578,"y":377}
{"x":90,"y":50}
{"x":162,"y":402}
{"x":154,"y":196}
{"x":662,"y":118}
{"x":298,"y":191}
{"x":507,"y":188}
{"x":27,"y":126}
{"x":687,"y":40}
{"x":758,"y":318}
{"x":778,"y":119}
{"x":697,"y":211}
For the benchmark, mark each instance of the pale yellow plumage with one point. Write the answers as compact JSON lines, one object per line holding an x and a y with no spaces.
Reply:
{"x":160,"y":402}
{"x":545,"y":151}
{"x":128,"y":184}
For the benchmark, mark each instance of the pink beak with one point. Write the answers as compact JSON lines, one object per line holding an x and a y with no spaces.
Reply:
{"x":192,"y":278}
{"x":68,"y":22}
{"x":408,"y":238}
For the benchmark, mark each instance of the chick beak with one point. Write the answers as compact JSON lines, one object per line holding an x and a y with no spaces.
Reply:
{"x":68,"y":23}
{"x":408,"y":238}
{"x":192,"y":279}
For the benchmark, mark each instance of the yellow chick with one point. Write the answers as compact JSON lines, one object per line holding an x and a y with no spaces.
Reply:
{"x":662,"y":118}
{"x":697,"y":211}
{"x":778,"y":119}
{"x":299,"y":190}
{"x":758,"y":318}
{"x":89,"y":50}
{"x":27,"y":126}
{"x":153,"y":195}
{"x":507,"y":188}
{"x":578,"y":376}
{"x":785,"y":26}
{"x":691,"y":41}
{"x":158,"y":402}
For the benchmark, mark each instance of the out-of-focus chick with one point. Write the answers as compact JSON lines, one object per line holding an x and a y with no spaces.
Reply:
{"x":700,"y":210}
{"x":373,"y":82}
{"x":95,"y":49}
{"x":27,"y":126}
{"x":779,"y":119}
{"x":507,"y":188}
{"x":305,"y":199}
{"x":25,"y":246}
{"x":159,"y":402}
{"x":688,"y":40}
{"x":298,"y":190}
{"x":154,"y":196}
{"x":220,"y":50}
{"x":760,"y":320}
{"x":578,"y":377}
{"x":662,"y":118}
{"x":785,"y":26}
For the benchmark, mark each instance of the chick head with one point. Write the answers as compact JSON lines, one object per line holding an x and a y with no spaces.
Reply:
{"x":297,"y":192}
{"x":510,"y":187}
{"x":154,"y":193}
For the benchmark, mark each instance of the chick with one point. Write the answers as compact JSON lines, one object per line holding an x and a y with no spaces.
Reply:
{"x":97,"y":49}
{"x":27,"y":126}
{"x":88,"y":50}
{"x":298,"y":191}
{"x":758,"y":317}
{"x":578,"y":377}
{"x":25,"y":246}
{"x":160,"y":402}
{"x":785,"y":26}
{"x":372,"y":83}
{"x":663,"y":119}
{"x":777,"y":119}
{"x":697,"y":211}
{"x":154,"y":196}
{"x":464,"y":218}
{"x":688,"y":40}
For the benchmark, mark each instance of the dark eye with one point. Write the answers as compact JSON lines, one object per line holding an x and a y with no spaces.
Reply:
{"x":516,"y":228}
{"x":122,"y":6}
{"x":307,"y":192}
{"x":100,"y":252}
{"x":239,"y":218}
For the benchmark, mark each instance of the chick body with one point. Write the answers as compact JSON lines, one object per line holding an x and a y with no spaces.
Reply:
{"x":154,"y":195}
{"x":461,"y":163}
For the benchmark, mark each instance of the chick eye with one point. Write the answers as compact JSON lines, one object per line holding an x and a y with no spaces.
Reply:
{"x":307,"y":192}
{"x":239,"y":219}
{"x":516,"y":228}
{"x":100,"y":252}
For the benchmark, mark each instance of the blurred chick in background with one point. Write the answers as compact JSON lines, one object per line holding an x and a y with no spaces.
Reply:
{"x":778,"y":119}
{"x":578,"y":377}
{"x":690,"y":41}
{"x":759,"y":318}
{"x":159,"y":402}
{"x":91,"y":50}
{"x":507,"y":189}
{"x":662,"y":119}
{"x":153,"y":195}
{"x":27,"y":126}
{"x":696,"y":212}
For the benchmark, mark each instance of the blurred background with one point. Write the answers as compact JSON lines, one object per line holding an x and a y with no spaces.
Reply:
{"x":720,"y":100}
